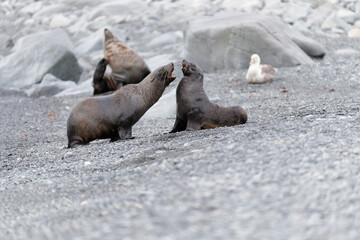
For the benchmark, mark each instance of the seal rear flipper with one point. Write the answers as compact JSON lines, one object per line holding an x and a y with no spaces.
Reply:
{"x":75,"y":143}
{"x":115,"y":137}
{"x":180,"y":125}
{"x":125,"y":133}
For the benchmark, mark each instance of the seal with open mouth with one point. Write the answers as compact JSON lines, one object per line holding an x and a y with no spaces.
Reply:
{"x":194,"y":109}
{"x":113,"y":116}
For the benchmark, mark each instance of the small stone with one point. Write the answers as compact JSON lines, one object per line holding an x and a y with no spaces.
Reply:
{"x":347,"y":51}
{"x":354,"y":33}
{"x":347,"y":15}
{"x":58,"y":21}
{"x":138,"y":205}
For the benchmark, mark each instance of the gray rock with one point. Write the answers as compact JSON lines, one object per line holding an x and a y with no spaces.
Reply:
{"x":165,"y":39}
{"x":226,"y":42}
{"x":347,"y":51}
{"x":321,"y":13}
{"x":37,"y":54}
{"x":47,"y":11}
{"x":347,"y":15}
{"x":295,"y":12}
{"x":94,"y":42}
{"x":246,"y":6}
{"x":333,"y":21}
{"x":49,"y":86}
{"x":90,"y":44}
{"x":59,"y":21}
{"x":85,"y":88}
{"x":117,"y":8}
{"x":6,"y":43}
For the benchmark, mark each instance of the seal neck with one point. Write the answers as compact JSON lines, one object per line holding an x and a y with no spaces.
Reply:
{"x":152,"y":90}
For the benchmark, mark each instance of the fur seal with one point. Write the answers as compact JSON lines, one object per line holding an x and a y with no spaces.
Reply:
{"x":195,"y":111}
{"x":112,"y":116}
{"x":258,"y":73}
{"x":126,"y":65}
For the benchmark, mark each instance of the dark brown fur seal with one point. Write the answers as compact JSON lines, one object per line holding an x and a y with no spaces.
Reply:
{"x":195,"y":111}
{"x":113,"y":116}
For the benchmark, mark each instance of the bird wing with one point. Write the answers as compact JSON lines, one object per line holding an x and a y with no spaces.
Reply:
{"x":267,"y":69}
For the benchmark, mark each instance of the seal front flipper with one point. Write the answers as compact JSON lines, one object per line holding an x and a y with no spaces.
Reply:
{"x":194,"y":121}
{"x":180,"y":125}
{"x":99,"y":83}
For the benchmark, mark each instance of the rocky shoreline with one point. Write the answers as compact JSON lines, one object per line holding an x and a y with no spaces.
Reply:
{"x":291,"y":172}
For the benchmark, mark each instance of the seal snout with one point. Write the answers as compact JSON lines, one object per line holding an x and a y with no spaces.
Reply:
{"x":108,"y":35}
{"x":185,"y":63}
{"x":170,"y":69}
{"x":185,"y":66}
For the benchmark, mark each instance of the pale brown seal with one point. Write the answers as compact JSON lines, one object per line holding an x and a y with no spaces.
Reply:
{"x":126,"y":65}
{"x":113,"y":116}
{"x":259,"y":73}
{"x":195,"y":111}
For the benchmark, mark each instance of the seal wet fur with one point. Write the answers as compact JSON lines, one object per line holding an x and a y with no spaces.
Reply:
{"x":126,"y":65}
{"x":113,"y":116}
{"x":194,"y":109}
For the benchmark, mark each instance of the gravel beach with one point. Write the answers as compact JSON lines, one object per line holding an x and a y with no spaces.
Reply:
{"x":291,"y":172}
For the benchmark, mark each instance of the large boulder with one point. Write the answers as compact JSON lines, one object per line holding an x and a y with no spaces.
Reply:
{"x":118,"y":8}
{"x":225,"y":42}
{"x":84,"y":88}
{"x":38,"y":54}
{"x":49,"y":86}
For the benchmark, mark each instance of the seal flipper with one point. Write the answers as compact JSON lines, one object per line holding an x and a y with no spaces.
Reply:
{"x":125,"y":134}
{"x":194,"y":121}
{"x":114,"y":137}
{"x":75,"y":143}
{"x":99,"y":83}
{"x":193,"y":124}
{"x":180,"y":125}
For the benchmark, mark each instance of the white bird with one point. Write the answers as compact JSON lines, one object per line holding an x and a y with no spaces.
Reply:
{"x":258,"y":73}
